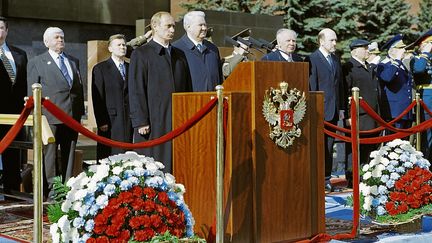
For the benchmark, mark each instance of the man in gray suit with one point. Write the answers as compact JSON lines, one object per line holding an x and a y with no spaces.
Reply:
{"x":59,"y":75}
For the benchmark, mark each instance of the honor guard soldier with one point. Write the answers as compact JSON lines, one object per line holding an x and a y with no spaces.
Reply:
{"x":421,"y":66}
{"x":395,"y":82}
{"x":239,"y":54}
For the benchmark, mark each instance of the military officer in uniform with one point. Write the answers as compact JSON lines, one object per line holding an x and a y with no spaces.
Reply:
{"x":239,"y":54}
{"x":396,"y":83}
{"x":421,"y":66}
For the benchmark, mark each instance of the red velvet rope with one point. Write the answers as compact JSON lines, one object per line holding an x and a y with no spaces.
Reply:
{"x":425,"y":107}
{"x":14,"y":130}
{"x":62,"y":116}
{"x":370,"y":112}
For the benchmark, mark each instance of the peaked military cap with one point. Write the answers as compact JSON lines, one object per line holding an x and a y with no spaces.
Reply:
{"x":358,"y":43}
{"x":243,"y":34}
{"x":427,"y":36}
{"x":395,"y":42}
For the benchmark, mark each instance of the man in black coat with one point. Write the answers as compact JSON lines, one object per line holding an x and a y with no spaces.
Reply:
{"x":326,"y":75}
{"x":286,"y":45}
{"x":203,"y":56}
{"x":13,"y":89}
{"x":358,"y":73}
{"x":156,"y":70}
{"x":110,"y":97}
{"x":59,"y":75}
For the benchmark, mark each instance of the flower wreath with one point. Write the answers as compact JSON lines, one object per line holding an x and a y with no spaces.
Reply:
{"x":125,"y":197}
{"x":396,"y":181}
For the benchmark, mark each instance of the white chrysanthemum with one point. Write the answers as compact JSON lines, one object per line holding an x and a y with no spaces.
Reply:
{"x":117,"y":170}
{"x":92,"y":186}
{"x":382,"y":190}
{"x":152,"y":167}
{"x":367,"y":203}
{"x":77,"y":205}
{"x":393,"y":155}
{"x":170,"y":180}
{"x":373,"y":154}
{"x":384,"y":161}
{"x":64,"y":224}
{"x":394,"y":176}
{"x":159,"y":165}
{"x":75,"y":235}
{"x":66,"y":205}
{"x":364,"y":189}
{"x":71,"y":195}
{"x":374,"y":162}
{"x":377,"y":172}
{"x":55,"y":235}
{"x":367,"y":175}
{"x":179,"y":188}
{"x":398,"y":150}
{"x":102,"y":201}
{"x":385,"y":178}
{"x":365,"y":167}
{"x":80,"y":194}
{"x":374,"y":190}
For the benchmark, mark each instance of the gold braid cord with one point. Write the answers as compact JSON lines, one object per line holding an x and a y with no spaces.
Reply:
{"x":284,"y":109}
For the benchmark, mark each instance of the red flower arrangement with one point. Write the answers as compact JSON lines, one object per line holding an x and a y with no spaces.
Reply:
{"x":139,"y":212}
{"x":412,"y":190}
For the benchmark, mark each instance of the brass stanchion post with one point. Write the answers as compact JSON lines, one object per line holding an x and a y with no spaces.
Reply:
{"x":37,"y":164}
{"x":418,"y":117}
{"x":219,"y":167}
{"x":356,"y":98}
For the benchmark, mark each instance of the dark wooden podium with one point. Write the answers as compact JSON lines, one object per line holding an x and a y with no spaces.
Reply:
{"x":272,"y":194}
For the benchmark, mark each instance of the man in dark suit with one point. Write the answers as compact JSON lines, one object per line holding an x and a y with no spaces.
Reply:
{"x":110,"y":97}
{"x":358,"y":73}
{"x":13,"y":89}
{"x":59,"y":75}
{"x":326,"y":75}
{"x":396,"y":83}
{"x":286,"y":45}
{"x":156,"y":70}
{"x":202,"y":56}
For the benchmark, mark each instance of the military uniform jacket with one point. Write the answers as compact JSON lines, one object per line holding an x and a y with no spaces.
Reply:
{"x":111,"y":100}
{"x":421,"y":66}
{"x":396,"y":88}
{"x":205,"y":68}
{"x":43,"y":69}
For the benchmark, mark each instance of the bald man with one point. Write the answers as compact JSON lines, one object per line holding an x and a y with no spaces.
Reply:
{"x":286,"y":45}
{"x":325,"y":74}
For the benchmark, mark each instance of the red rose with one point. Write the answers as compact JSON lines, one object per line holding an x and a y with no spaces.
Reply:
{"x":156,"y":221}
{"x":102,"y":239}
{"x":163,"y":198}
{"x":137,"y":191}
{"x":91,"y":240}
{"x":149,"y":192}
{"x":144,"y":235}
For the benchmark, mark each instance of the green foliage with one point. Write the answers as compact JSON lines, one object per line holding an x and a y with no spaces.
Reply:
{"x":425,"y":16}
{"x":54,"y":212}
{"x":168,"y":237}
{"x":60,"y":189}
{"x":412,"y":213}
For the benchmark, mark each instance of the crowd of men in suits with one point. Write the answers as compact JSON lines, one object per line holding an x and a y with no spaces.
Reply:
{"x":132,"y":101}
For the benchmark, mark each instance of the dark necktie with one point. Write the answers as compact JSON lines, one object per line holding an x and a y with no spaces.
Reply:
{"x":122,"y":71}
{"x":64,"y":70}
{"x":7,"y":65}
{"x":330,"y":61}
{"x":200,"y":47}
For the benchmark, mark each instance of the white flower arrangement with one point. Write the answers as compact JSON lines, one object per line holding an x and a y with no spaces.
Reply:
{"x":387,"y":166}
{"x":92,"y":191}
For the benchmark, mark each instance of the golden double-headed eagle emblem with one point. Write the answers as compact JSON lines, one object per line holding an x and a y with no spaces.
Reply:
{"x":284,"y":109}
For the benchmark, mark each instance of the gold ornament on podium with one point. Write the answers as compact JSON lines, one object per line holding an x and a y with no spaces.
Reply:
{"x":284,"y":109}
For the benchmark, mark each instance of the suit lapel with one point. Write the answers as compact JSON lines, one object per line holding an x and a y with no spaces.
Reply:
{"x":52,"y":67}
{"x":324,"y":60}
{"x":113,"y":70}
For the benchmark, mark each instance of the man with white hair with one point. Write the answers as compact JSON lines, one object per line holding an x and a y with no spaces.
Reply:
{"x":59,"y":75}
{"x":202,"y":56}
{"x":286,"y":45}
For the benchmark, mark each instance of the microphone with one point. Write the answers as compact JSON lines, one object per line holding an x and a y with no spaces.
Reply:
{"x":267,"y":45}
{"x":256,"y":42}
{"x":245,"y":42}
{"x":232,"y":41}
